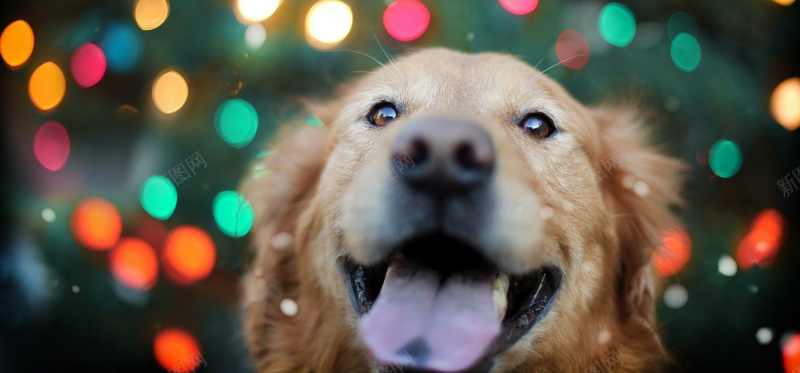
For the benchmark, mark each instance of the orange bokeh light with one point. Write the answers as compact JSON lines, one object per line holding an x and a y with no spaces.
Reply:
{"x":174,"y":348}
{"x":761,"y":244}
{"x":47,"y":86}
{"x":134,"y":263}
{"x":791,"y":354}
{"x":189,"y":255}
{"x":674,"y":252}
{"x":96,"y":224}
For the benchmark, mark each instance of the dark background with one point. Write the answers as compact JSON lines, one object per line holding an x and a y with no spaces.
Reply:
{"x":748,"y":48}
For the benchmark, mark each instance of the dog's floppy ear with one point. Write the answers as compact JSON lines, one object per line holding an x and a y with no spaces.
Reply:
{"x":640,"y":185}
{"x":279,"y":187}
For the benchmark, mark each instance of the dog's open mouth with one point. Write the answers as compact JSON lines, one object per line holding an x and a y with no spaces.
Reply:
{"x":437,"y":304}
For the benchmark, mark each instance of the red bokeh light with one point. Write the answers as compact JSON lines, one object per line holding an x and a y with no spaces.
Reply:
{"x":88,"y":65}
{"x":406,"y":20}
{"x":189,"y":255}
{"x":96,"y":224}
{"x":674,"y":252}
{"x":572,"y":49}
{"x":51,"y":145}
{"x":761,"y":244}
{"x":175,"y":348}
{"x":134,"y":264}
{"x":791,"y":354}
{"x":519,"y":6}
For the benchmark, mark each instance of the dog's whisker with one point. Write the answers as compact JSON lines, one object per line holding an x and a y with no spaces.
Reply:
{"x":561,"y":62}
{"x":363,"y":54}
{"x":540,"y":61}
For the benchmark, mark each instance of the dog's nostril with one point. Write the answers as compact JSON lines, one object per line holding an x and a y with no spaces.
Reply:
{"x":418,"y":151}
{"x":465,"y":157}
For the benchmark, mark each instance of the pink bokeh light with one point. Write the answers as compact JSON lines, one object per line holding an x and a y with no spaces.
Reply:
{"x":406,"y":20}
{"x":88,"y":65}
{"x":51,"y":145}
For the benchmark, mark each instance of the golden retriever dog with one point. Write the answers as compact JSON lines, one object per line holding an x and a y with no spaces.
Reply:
{"x":458,"y":213}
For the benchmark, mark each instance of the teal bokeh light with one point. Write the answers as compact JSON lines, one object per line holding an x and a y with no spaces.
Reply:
{"x":725,"y":159}
{"x":159,"y":197}
{"x":236,"y":122}
{"x":617,"y":24}
{"x":233,"y":213}
{"x":685,"y":52}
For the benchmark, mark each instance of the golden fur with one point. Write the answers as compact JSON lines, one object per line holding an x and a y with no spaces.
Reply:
{"x":319,"y":182}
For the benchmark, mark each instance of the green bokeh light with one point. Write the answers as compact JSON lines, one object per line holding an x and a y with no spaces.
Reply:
{"x":233,"y":214}
{"x":681,"y":22}
{"x":617,"y":24}
{"x":725,"y":158}
{"x":236,"y":122}
{"x":685,"y":52}
{"x":159,"y":197}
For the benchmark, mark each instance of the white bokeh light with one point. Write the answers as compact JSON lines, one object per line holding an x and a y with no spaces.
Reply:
{"x":726,"y":265}
{"x":257,"y":10}
{"x":255,"y":36}
{"x":676,"y":296}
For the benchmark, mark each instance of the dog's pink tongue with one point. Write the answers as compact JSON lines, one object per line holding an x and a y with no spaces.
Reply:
{"x":417,"y":321}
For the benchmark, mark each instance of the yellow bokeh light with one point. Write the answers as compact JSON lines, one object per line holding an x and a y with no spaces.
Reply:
{"x":784,"y":2}
{"x":170,"y":91}
{"x":149,"y":14}
{"x":47,"y":86}
{"x":785,"y":103}
{"x":328,"y":22}
{"x":256,"y":10}
{"x":16,"y":43}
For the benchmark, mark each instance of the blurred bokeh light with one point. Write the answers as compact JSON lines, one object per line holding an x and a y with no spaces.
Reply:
{"x":519,"y":6}
{"x":189,"y":255}
{"x":88,"y":65}
{"x":47,"y":86}
{"x":170,"y":91}
{"x":725,"y":158}
{"x":51,"y":145}
{"x":406,"y":20}
{"x":233,"y":214}
{"x":236,"y":122}
{"x":572,"y":49}
{"x":159,"y":197}
{"x":174,"y":347}
{"x":134,"y":263}
{"x":785,"y":103}
{"x":328,"y":22}
{"x":16,"y":43}
{"x":96,"y":224}
{"x":674,"y":252}
{"x":617,"y":24}
{"x":149,"y":14}
{"x":762,"y":242}
{"x":256,"y":10}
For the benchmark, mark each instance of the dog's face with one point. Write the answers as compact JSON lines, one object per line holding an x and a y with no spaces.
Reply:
{"x":459,"y":212}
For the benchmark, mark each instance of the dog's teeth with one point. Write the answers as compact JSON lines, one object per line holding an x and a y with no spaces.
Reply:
{"x":500,"y":295}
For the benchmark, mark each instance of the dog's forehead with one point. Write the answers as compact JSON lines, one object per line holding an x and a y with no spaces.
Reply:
{"x":442,"y":78}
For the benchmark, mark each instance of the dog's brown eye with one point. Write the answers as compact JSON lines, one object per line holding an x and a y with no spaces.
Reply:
{"x":381,"y":114}
{"x":538,"y":125}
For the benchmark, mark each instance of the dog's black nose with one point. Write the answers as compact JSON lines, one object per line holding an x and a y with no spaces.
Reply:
{"x":442,"y":155}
